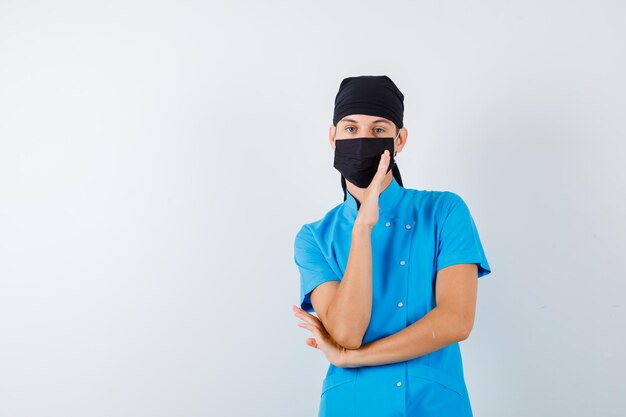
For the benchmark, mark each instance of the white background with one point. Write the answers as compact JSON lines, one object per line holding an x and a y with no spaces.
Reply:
{"x":157,"y":159}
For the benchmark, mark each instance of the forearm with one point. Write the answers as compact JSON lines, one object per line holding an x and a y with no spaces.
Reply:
{"x":437,"y":329}
{"x":350,"y":310}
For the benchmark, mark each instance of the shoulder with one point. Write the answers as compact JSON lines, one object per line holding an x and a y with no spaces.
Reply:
{"x":317,"y":230}
{"x":434,"y":202}
{"x":450,"y":199}
{"x":439,"y":196}
{"x":449,"y":208}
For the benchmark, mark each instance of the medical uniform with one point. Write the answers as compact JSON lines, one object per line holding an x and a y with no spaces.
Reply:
{"x":418,"y":233}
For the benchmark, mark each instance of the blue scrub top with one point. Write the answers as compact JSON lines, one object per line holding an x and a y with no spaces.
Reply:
{"x":418,"y":233}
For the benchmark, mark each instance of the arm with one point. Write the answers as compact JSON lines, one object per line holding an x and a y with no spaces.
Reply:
{"x":345,"y":307}
{"x":450,"y":321}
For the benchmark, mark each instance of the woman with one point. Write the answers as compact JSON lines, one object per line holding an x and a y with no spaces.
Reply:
{"x":391,"y":272}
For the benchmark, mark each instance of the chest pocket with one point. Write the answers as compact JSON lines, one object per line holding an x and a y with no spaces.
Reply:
{"x":338,"y":396}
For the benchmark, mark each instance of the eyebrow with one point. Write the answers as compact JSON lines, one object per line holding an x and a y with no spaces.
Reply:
{"x":375,"y":121}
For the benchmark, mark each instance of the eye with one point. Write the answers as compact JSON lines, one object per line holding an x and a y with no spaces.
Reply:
{"x":349,"y":127}
{"x":379,"y":131}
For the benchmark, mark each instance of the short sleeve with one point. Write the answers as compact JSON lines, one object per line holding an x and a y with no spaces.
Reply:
{"x":313,"y":266}
{"x":459,"y":241}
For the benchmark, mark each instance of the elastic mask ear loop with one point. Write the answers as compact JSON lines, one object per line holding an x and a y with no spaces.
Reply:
{"x":394,"y":142}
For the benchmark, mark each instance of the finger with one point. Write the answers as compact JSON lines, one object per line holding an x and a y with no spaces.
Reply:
{"x":306,"y":316}
{"x":298,"y":311}
{"x":313,"y":324}
{"x":383,"y":164}
{"x":311,"y":327}
{"x":311,"y":342}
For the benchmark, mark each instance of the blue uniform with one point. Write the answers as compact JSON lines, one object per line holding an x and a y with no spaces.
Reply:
{"x":418,"y":233}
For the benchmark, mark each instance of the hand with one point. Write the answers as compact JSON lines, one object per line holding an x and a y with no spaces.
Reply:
{"x":368,"y":212}
{"x":334,"y":352}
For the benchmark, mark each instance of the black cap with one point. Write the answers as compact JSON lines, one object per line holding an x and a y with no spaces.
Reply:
{"x":374,"y":95}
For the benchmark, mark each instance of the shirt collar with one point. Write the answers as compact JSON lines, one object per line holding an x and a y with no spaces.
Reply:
{"x":387,"y":200}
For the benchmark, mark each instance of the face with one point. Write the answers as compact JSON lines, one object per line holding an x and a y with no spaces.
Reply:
{"x":363,"y":125}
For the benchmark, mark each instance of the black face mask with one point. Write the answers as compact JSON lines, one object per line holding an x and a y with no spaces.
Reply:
{"x":357,"y":159}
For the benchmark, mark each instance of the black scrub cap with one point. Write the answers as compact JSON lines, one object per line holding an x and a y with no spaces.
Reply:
{"x":374,"y":95}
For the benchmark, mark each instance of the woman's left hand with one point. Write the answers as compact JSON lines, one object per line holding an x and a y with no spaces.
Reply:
{"x":334,"y":352}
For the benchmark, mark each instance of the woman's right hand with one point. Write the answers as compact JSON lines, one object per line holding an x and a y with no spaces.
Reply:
{"x":369,"y":209}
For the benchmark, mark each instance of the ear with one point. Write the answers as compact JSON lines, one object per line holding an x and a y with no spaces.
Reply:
{"x":331,"y":136}
{"x":402,"y":137}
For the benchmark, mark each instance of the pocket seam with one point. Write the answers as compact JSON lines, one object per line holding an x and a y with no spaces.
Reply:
{"x":440,"y":377}
{"x":331,"y":382}
{"x":438,"y":382}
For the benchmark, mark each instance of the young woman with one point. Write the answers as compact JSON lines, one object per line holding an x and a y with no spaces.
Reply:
{"x":391,"y":272}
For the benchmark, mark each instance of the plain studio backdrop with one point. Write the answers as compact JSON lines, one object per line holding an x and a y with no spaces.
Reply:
{"x":157,"y":159}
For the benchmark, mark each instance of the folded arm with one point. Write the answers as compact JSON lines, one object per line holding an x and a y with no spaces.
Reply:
{"x":450,"y":321}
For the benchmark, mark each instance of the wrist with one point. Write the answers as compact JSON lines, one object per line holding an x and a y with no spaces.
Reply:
{"x":360,"y":226}
{"x":353,"y":357}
